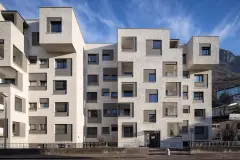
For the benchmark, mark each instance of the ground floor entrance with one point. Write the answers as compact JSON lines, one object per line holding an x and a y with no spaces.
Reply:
{"x":152,"y":139}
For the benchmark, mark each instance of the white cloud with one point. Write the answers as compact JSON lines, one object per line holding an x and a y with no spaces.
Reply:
{"x":228,"y":27}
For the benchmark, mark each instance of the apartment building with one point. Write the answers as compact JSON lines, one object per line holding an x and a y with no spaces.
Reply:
{"x":144,"y":90}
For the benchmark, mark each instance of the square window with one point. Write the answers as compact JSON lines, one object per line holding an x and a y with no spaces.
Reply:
{"x":92,"y":59}
{"x":128,"y":131}
{"x":106,"y":77}
{"x":105,"y":130}
{"x":114,"y":128}
{"x":92,"y":113}
{"x":35,"y":38}
{"x":114,"y":77}
{"x":56,"y":26}
{"x":114,"y":94}
{"x":198,"y":96}
{"x":153,"y":98}
{"x":33,"y":83}
{"x":61,"y":63}
{"x":152,"y":77}
{"x":127,"y":93}
{"x":105,"y":94}
{"x":157,"y":44}
{"x":32,"y":59}
{"x":60,"y":85}
{"x":206,"y":51}
{"x":198,"y":78}
{"x":152,"y":117}
{"x":43,"y":61}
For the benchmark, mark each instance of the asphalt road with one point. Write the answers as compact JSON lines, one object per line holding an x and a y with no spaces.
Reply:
{"x":207,"y":156}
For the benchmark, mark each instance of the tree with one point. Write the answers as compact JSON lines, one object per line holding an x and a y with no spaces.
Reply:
{"x":229,"y":133}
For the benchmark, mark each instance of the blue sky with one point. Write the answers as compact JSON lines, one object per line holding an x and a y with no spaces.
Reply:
{"x":99,"y":19}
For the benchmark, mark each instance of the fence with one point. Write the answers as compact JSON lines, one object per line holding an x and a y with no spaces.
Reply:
{"x":205,"y":144}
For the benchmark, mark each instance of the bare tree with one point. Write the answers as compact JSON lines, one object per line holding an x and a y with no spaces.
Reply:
{"x":229,"y":133}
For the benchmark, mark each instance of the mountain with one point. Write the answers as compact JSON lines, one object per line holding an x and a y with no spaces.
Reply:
{"x":227,"y":73}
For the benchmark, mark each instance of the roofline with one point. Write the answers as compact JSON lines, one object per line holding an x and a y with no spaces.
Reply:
{"x":24,"y":21}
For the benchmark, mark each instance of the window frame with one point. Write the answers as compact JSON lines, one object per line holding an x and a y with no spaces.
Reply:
{"x":56,"y":26}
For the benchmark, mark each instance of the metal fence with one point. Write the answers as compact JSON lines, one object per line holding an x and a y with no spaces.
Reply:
{"x":206,"y":144}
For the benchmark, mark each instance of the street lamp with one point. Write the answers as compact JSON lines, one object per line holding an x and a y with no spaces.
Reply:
{"x":5,"y":118}
{"x":191,"y":130}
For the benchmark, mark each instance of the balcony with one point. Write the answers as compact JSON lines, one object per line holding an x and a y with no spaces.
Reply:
{"x":63,"y":67}
{"x":169,"y":69}
{"x":127,"y":69}
{"x":38,"y":125}
{"x":129,"y":89}
{"x":94,"y":116}
{"x":173,"y":89}
{"x":9,"y":76}
{"x":129,"y":44}
{"x":61,"y":109}
{"x":170,"y":109}
{"x":126,"y":109}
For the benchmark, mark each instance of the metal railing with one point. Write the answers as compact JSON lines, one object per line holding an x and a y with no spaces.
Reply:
{"x":206,"y":144}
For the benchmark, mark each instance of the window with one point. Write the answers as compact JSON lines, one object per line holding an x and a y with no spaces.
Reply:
{"x":199,"y":113}
{"x":33,"y":127}
{"x":92,"y":59}
{"x":153,"y":97}
{"x":199,"y":130}
{"x":33,"y":83}
{"x":18,"y":104}
{"x":105,"y":130}
{"x":157,"y":44}
{"x":42,"y":127}
{"x":43,"y":61}
{"x":129,"y":44}
{"x":206,"y":51}
{"x":186,"y":109}
{"x":61,"y":107}
{"x":114,"y":127}
{"x":60,"y":85}
{"x":43,"y":83}
{"x":114,"y":94}
{"x":185,"y":74}
{"x":128,"y":131}
{"x":61,"y":63}
{"x":198,"y":78}
{"x":33,"y":106}
{"x":152,"y":118}
{"x":105,"y":92}
{"x":184,"y":59}
{"x":92,"y":113}
{"x":126,"y":112}
{"x":44,"y":102}
{"x":56,"y":26}
{"x":92,"y":79}
{"x":127,"y":93}
{"x":92,"y":97}
{"x":198,"y":96}
{"x":60,"y":129}
{"x":152,"y":77}
{"x":35,"y":38}
{"x":114,"y":77}
{"x":107,"y":55}
{"x":106,"y":77}
{"x":185,"y":94}
{"x":92,"y":132}
{"x":111,"y":112}
{"x":32,"y":59}
{"x":2,"y":47}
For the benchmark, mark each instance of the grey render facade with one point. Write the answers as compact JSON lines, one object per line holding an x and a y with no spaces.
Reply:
{"x":144,"y":90}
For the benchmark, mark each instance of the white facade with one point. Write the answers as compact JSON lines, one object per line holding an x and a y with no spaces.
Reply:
{"x":136,"y":92}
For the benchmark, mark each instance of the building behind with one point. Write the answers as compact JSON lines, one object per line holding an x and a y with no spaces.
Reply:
{"x":144,"y":90}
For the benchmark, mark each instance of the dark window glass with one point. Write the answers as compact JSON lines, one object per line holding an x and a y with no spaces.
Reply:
{"x":153,"y":98}
{"x":114,"y":94}
{"x":128,"y":131}
{"x":152,"y":77}
{"x":114,"y":128}
{"x":127,"y":93}
{"x":56,"y":26}
{"x":61,"y":63}
{"x":198,"y":96}
{"x":206,"y":51}
{"x":198,"y":78}
{"x":157,"y":44}
{"x":60,"y":85}
{"x":152,"y":117}
{"x":92,"y":59}
{"x":114,"y":77}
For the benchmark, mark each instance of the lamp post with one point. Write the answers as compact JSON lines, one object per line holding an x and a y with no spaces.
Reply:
{"x":191,"y":130}
{"x":5,"y":119}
